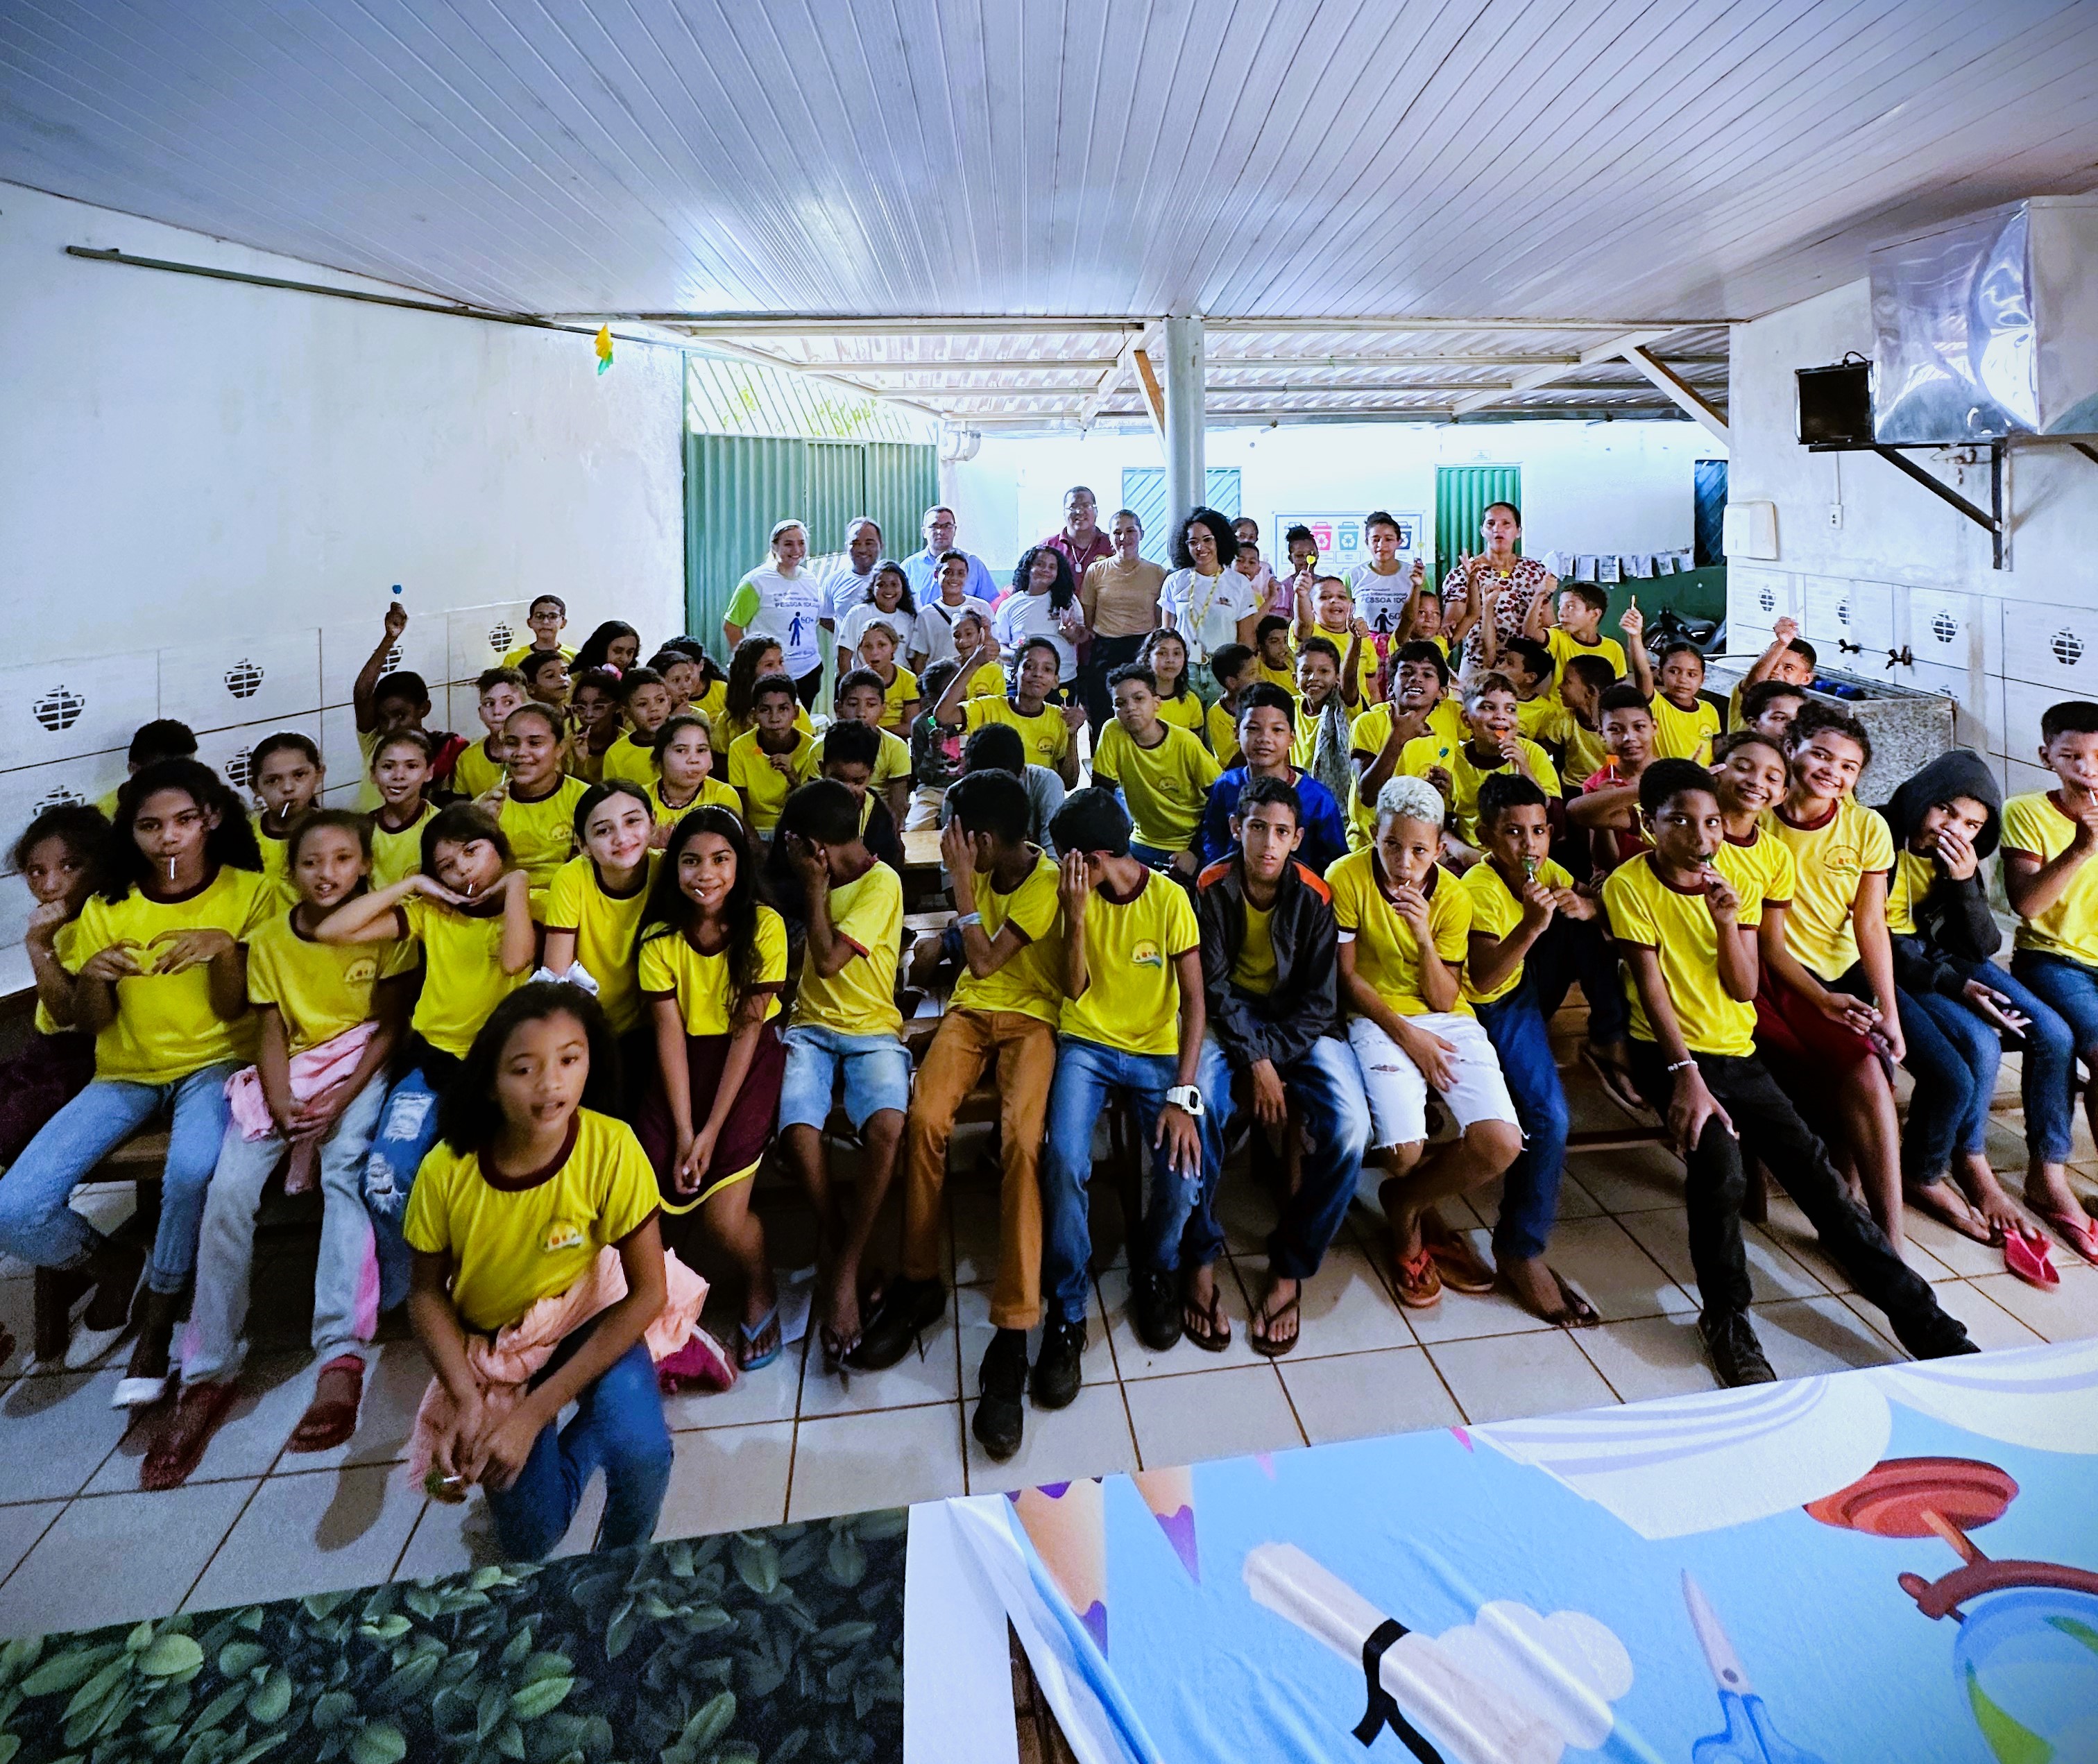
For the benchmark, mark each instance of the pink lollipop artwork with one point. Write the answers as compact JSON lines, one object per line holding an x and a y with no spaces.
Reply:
{"x":1171,"y":1496}
{"x":1067,"y":1524}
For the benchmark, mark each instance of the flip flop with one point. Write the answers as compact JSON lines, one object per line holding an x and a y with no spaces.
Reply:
{"x":1574,"y":1312}
{"x":1456,"y":1261}
{"x":325,"y":1426}
{"x":751,"y":1362}
{"x":1617,"y":1082}
{"x":1263,"y":1343}
{"x":197,"y":1415}
{"x":1419,"y":1285}
{"x":2027,"y":1257}
{"x":1214,"y":1336}
{"x":2076,"y":1230}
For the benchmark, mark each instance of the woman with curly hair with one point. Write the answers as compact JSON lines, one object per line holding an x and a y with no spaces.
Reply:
{"x":1208,"y":602}
{"x":1043,"y":603}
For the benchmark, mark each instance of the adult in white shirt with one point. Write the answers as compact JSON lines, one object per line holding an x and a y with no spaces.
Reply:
{"x":922,"y":568}
{"x":851,"y":584}
{"x":934,"y":640}
{"x":780,"y":599}
{"x":1204,"y":600}
{"x":1044,"y":602}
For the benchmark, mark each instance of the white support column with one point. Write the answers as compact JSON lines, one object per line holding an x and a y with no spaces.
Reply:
{"x":1185,"y":483}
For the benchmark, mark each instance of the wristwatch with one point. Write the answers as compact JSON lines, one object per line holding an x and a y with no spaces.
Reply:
{"x":1186,"y":1097}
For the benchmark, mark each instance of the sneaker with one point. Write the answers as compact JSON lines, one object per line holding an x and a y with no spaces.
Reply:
{"x":1003,"y":1382}
{"x":1935,"y":1334}
{"x":1736,"y":1356}
{"x":906,"y":1309}
{"x":1056,"y":1375}
{"x":1154,"y":1306}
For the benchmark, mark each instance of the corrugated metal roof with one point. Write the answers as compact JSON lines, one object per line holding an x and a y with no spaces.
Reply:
{"x":727,"y":397}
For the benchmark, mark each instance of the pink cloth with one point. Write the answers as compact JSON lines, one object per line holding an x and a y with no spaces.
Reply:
{"x":503,"y":1368}
{"x":312,"y":1071}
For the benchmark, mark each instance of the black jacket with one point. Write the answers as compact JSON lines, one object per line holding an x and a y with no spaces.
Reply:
{"x":1282,"y":1027}
{"x":1953,"y":922}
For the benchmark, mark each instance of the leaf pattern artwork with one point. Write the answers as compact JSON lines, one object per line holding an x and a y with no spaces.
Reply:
{"x":749,"y":1648}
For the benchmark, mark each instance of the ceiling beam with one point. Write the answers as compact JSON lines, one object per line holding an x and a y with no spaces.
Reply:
{"x":1546,"y":373}
{"x":1090,"y":368}
{"x":1123,"y":367}
{"x":1148,"y":390}
{"x":1679,"y":390}
{"x":834,"y":325}
{"x":766,"y":358}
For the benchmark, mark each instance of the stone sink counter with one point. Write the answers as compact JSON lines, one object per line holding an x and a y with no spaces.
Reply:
{"x":1909,"y":729}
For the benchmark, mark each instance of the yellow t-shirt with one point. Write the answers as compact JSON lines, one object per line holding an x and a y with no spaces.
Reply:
{"x":1186,"y":712}
{"x":1032,"y":981}
{"x":1253,"y":970}
{"x":1285,"y":678}
{"x":899,"y":692}
{"x":671,"y":968}
{"x":474,"y":774}
{"x":515,"y":658}
{"x":1419,"y":758}
{"x":165,"y":1028}
{"x":713,"y":703}
{"x":396,"y":855}
{"x":1372,"y":728}
{"x":367,"y":797}
{"x":1678,"y":927}
{"x":44,"y":1022}
{"x":714,"y":794}
{"x":860,"y":998}
{"x":1165,"y":787}
{"x":463,"y":974}
{"x":276,"y":863}
{"x":892,"y":762}
{"x":1912,"y":879}
{"x":1496,"y":911}
{"x":1045,"y":735}
{"x":1563,"y":649}
{"x":2034,"y":823}
{"x":1223,"y":731}
{"x":987,"y":681}
{"x":752,"y":772}
{"x":542,"y":834}
{"x":605,"y":926}
{"x":1766,"y":863}
{"x":1585,"y":755}
{"x":1684,"y":735}
{"x":320,"y":989}
{"x":1387,"y":953}
{"x":1540,"y":720}
{"x":629,"y":758}
{"x":725,"y":728}
{"x":530,"y":1239}
{"x":1132,"y":998}
{"x":1831,"y":861}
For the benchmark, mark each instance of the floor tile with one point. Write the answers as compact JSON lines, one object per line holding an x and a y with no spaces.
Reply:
{"x":111,"y":1557}
{"x":1463,"y":1316}
{"x":2068,"y":1313}
{"x":1634,"y":1179}
{"x":932,"y":1377}
{"x":1988,"y":1325}
{"x":1090,"y":1438}
{"x":58,"y":1430}
{"x":320,"y":1531}
{"x":1648,"y":1357}
{"x":1802,"y":1337}
{"x":18,"y":1319}
{"x":1134,"y":1360}
{"x":451,"y":1537}
{"x":1773,"y":1273}
{"x":887,"y":1458}
{"x":1957,"y":1254}
{"x":1346,"y":1308}
{"x":274,"y":1390}
{"x":21,"y":1526}
{"x":1506,"y":1375}
{"x":1360,"y":1396}
{"x":1211,"y":1415}
{"x":1602,"y":1260}
{"x":728,"y":1480}
{"x":771,"y":1393}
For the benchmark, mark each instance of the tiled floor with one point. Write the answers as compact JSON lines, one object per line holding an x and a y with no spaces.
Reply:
{"x":80,"y":1545}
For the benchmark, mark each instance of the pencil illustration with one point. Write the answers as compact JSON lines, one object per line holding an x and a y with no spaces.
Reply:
{"x":1171,"y":1496}
{"x":1067,"y":1524}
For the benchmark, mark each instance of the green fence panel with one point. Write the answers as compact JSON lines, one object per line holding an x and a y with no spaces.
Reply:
{"x":1462,"y":493}
{"x":1144,"y":493}
{"x":836,"y":477}
{"x":902,"y":481}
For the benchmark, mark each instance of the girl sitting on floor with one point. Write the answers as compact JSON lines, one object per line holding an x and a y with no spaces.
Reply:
{"x":712,"y":963}
{"x":160,"y":982}
{"x":329,"y":1017}
{"x":509,"y":1221}
{"x":469,"y":911}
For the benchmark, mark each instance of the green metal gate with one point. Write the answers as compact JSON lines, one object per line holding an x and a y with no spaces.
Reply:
{"x":738,"y":487}
{"x":1462,"y":493}
{"x":1144,"y":495}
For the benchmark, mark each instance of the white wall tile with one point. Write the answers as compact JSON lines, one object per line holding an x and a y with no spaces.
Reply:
{"x":1758,"y":596}
{"x":226,"y":751}
{"x":2020,"y":777}
{"x":339,"y":752}
{"x":481,"y":636}
{"x":1948,"y":629}
{"x":424,"y":648}
{"x":29,"y":789}
{"x":2055,"y":646}
{"x":1838,"y":611}
{"x":2023,"y":707}
{"x":226,"y":681}
{"x":59,"y":710}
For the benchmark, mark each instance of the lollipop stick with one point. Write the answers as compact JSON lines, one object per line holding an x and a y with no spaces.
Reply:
{"x":1953,"y":1535}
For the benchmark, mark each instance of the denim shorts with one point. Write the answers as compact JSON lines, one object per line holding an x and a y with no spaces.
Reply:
{"x":876,"y":1069}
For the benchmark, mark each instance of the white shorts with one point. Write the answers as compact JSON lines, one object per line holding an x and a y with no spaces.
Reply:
{"x":1397,"y":1091}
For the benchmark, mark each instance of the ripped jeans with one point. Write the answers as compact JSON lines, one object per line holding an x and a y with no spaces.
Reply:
{"x":407,"y":1130}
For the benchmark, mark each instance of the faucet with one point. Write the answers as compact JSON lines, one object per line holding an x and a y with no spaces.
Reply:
{"x":1844,"y":645}
{"x":1900,"y":657}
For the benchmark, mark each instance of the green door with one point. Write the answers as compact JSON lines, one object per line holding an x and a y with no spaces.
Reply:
{"x":1462,"y":493}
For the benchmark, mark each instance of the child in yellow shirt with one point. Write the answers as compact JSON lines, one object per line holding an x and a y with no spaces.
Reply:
{"x":644,"y":695}
{"x":1491,"y":746}
{"x":1418,"y":707}
{"x":1578,"y":631}
{"x":593,"y":904}
{"x":765,"y":763}
{"x":1685,"y":721}
{"x":684,"y":774}
{"x":899,"y":685}
{"x":1161,"y":771}
{"x":1165,"y":653}
{"x":285,"y":772}
{"x":479,"y":767}
{"x":1231,"y":667}
{"x":401,"y":774}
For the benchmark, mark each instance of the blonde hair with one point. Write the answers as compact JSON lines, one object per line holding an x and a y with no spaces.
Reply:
{"x":1411,"y":799}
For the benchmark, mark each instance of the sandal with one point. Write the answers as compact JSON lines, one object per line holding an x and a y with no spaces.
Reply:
{"x":1260,"y":1334}
{"x":2076,"y":1230}
{"x":747,"y":1354}
{"x":1419,"y":1285}
{"x":1615,"y":1078}
{"x":327,"y":1425}
{"x":2027,"y":1257}
{"x":1455,"y":1260}
{"x":1957,"y":1213}
{"x":1214,"y":1334}
{"x":179,"y":1447}
{"x":1572,"y":1311}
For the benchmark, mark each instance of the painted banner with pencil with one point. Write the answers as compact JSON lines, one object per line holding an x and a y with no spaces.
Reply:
{"x":1907,"y":1556}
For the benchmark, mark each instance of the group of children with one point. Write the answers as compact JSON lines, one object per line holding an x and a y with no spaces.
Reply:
{"x":533,"y":1015}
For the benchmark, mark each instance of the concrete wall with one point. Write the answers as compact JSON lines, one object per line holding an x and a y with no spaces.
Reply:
{"x":1903,"y":570}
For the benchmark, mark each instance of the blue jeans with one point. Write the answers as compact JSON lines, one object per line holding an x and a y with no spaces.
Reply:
{"x":1571,"y":950}
{"x":407,"y":1130}
{"x":1088,"y":1077}
{"x":37,"y":1224}
{"x":618,"y":1424}
{"x":2047,"y":1076}
{"x":1325,"y":1089}
{"x":1520,"y":1030}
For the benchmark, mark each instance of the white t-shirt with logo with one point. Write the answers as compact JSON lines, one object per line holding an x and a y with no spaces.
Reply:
{"x":1206,"y":609}
{"x":1020,"y":617}
{"x":787,"y":609}
{"x":1381,"y":600}
{"x":936,"y":625}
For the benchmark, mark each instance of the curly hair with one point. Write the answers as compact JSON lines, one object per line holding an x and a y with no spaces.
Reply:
{"x":1065,"y":588}
{"x":1227,"y":541}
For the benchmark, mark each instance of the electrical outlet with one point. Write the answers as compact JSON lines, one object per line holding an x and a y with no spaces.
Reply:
{"x":1835,"y":514}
